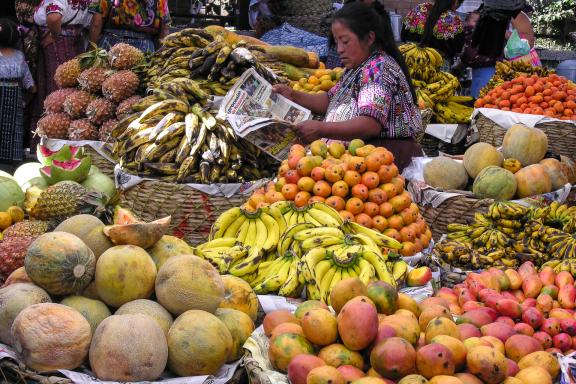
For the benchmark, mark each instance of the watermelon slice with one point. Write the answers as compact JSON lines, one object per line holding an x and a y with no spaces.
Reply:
{"x":67,"y":152}
{"x":72,"y":170}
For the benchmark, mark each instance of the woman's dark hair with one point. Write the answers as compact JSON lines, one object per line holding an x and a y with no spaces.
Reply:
{"x":9,"y":36}
{"x":363,"y":19}
{"x":439,"y":7}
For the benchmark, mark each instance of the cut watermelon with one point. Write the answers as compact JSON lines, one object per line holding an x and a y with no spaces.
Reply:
{"x":67,"y":152}
{"x":71,"y":170}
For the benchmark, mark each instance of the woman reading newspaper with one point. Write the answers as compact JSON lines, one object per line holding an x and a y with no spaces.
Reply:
{"x":374,"y":100}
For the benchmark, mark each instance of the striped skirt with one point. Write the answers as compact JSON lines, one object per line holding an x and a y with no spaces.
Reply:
{"x":11,"y":118}
{"x":142,"y":41}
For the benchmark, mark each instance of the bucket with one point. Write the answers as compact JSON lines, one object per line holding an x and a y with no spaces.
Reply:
{"x":567,"y":69}
{"x":396,"y":21}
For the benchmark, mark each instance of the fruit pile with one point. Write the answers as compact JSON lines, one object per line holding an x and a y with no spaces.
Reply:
{"x":519,"y":170}
{"x":96,"y":90}
{"x":197,"y":323}
{"x":318,"y":82}
{"x":378,"y":336}
{"x":508,"y":70}
{"x":510,"y":233}
{"x":552,"y":96}
{"x":362,"y":183}
{"x":435,"y":89}
{"x":284,"y":249}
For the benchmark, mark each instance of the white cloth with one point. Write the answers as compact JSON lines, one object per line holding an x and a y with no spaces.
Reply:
{"x":74,"y":12}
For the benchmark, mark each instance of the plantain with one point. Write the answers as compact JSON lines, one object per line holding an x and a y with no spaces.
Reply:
{"x":163,"y":168}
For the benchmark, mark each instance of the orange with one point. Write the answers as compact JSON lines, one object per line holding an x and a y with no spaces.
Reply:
{"x":352,"y":178}
{"x":377,"y":196}
{"x":274,"y":197}
{"x":408,"y":249}
{"x":340,"y":188}
{"x":386,"y":209}
{"x":380,"y":223}
{"x":256,"y":198}
{"x":313,"y":80}
{"x":407,"y":234}
{"x":346,"y":216}
{"x":289,"y":191}
{"x":336,"y":202}
{"x":371,"y":209}
{"x":389,"y":189}
{"x":391,"y":232}
{"x":316,"y":199}
{"x":317,"y":173}
{"x":354,"y":205}
{"x":357,"y":163}
{"x":395,"y":222}
{"x":301,"y":198}
{"x":334,"y":173}
{"x":360,"y":191}
{"x":322,"y":188}
{"x":370,"y":179}
{"x":306,"y":184}
{"x":364,"y":220}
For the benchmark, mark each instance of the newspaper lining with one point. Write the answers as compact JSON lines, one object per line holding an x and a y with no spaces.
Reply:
{"x":261,"y":116}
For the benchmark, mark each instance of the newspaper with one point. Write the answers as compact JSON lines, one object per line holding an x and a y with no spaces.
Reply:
{"x":261,"y":116}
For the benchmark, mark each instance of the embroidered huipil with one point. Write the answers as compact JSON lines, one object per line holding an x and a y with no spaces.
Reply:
{"x":139,"y":15}
{"x":378,"y":89}
{"x":74,"y":12}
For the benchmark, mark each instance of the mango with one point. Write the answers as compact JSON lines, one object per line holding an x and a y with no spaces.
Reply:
{"x":544,"y":339}
{"x":541,"y":359}
{"x":447,"y":294}
{"x":272,"y":319}
{"x":501,"y":331}
{"x":350,"y":373}
{"x":468,"y":330}
{"x":456,"y":346}
{"x":474,"y":342}
{"x":394,"y":358}
{"x":551,"y":290}
{"x":533,"y":317}
{"x":345,"y":290}
{"x":320,"y":326}
{"x":505,"y":319}
{"x":512,"y":380}
{"x":514,"y":277}
{"x":433,"y":360}
{"x":464,"y":296}
{"x":567,"y":296}
{"x":547,"y":275}
{"x":357,"y":324}
{"x":429,"y":301}
{"x":496,"y":343}
{"x":524,"y":329}
{"x":564,"y":278}
{"x":413,"y":379}
{"x":407,"y":302}
{"x":488,"y":364}
{"x":560,"y":313}
{"x":419,"y":277}
{"x":286,"y":346}
{"x":337,"y":355}
{"x":509,"y":295}
{"x":544,"y":302}
{"x":405,"y":327}
{"x":527,"y":269}
{"x":287,"y":328}
{"x":307,"y":305}
{"x":562,"y":341}
{"x":534,"y":375}
{"x":325,"y":375}
{"x":509,"y":308}
{"x":384,"y":295}
{"x":445,"y":379}
{"x":568,"y":326}
{"x":471,"y":305}
{"x":551,"y":326}
{"x":501,"y":277}
{"x":513,"y":368}
{"x":431,"y":312}
{"x":518,"y":346}
{"x":441,"y":326}
{"x":403,"y":312}
{"x":532,"y":285}
{"x":301,"y":365}
{"x":468,"y":378}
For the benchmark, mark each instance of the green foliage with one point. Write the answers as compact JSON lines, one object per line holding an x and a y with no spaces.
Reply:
{"x":550,"y":16}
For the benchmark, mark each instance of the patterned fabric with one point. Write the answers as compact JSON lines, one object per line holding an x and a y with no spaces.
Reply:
{"x":25,"y":11}
{"x":139,"y":15}
{"x":449,"y":24}
{"x":140,"y":40}
{"x":287,"y":34}
{"x":378,"y":89}
{"x":74,"y":12}
{"x":11,"y":127}
{"x":15,"y":67}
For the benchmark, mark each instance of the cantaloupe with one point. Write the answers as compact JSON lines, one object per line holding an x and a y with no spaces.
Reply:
{"x":495,"y":183}
{"x":526,"y":144}
{"x":445,"y":173}
{"x":533,"y":180}
{"x":149,"y":308}
{"x":48,"y":337}
{"x":89,"y":229}
{"x":198,"y":344}
{"x":94,"y":311}
{"x":557,"y":172}
{"x":13,"y":299}
{"x":167,"y":247}
{"x":238,"y":294}
{"x":188,"y":282}
{"x":480,"y":156}
{"x":240,"y":326}
{"x":128,"y":348}
{"x":124,"y":273}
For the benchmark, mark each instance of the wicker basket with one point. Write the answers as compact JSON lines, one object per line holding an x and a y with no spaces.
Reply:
{"x":193,"y":212}
{"x":104,"y":165}
{"x":561,"y":135}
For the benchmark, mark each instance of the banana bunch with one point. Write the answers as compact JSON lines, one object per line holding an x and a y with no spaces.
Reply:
{"x":317,"y":214}
{"x":568,"y":265}
{"x":421,"y":57}
{"x":182,"y":142}
{"x":562,"y":217}
{"x":506,"y":71}
{"x":223,"y":253}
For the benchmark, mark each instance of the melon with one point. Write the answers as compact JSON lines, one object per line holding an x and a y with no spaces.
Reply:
{"x":148,"y":308}
{"x":238,"y":294}
{"x":480,"y":156}
{"x":90,"y":291}
{"x":6,"y":174}
{"x":188,"y":282}
{"x":10,"y":193}
{"x":124,"y":273}
{"x":128,"y":348}
{"x":495,"y":183}
{"x":533,"y":180}
{"x":240,"y":326}
{"x":60,"y":263}
{"x":527,"y":145}
{"x":167,"y":247}
{"x":99,"y":182}
{"x":47,"y":337}
{"x":557,"y":172}
{"x":13,"y":299}
{"x":198,"y":344}
{"x":89,"y":229}
{"x":17,"y":276}
{"x":445,"y":173}
{"x":139,"y":233}
{"x":94,"y":311}
{"x":27,"y":172}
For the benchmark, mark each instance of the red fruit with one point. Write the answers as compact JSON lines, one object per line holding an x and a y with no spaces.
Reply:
{"x":292,"y":176}
{"x":547,"y":275}
{"x":562,"y":341}
{"x":464,"y":296}
{"x":468,"y":330}
{"x":500,"y":331}
{"x":513,"y":368}
{"x":300,"y":365}
{"x":475,"y":287}
{"x":530,"y":302}
{"x":564,"y":278}
{"x":553,"y":350}
{"x":544,"y":339}
{"x":483,"y":294}
{"x":568,"y":326}
{"x":492,"y":301}
{"x":350,"y":373}
{"x":385,"y":331}
{"x":477,"y":317}
{"x":567,"y":296}
{"x":545,"y":303}
{"x":551,"y":326}
{"x":509,"y":295}
{"x":509,"y":308}
{"x":524,"y":329}
{"x":505,"y":319}
{"x":527,"y":269}
{"x":471,"y":305}
{"x":533,"y":317}
{"x":518,"y":346}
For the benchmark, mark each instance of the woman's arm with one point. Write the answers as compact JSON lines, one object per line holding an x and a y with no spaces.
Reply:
{"x":362,"y":127}
{"x":54,"y":24}
{"x":317,"y":103}
{"x":95,"y":28}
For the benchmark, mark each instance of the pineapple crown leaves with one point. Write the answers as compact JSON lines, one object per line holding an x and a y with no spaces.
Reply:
{"x":96,"y":57}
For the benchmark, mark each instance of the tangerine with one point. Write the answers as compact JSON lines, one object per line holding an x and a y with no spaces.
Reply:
{"x":334,"y":173}
{"x":302,"y":198}
{"x":336,"y":202}
{"x":346,"y":216}
{"x":360,"y":191}
{"x":354,"y":205}
{"x":377,"y":196}
{"x":386,"y":209}
{"x":340,"y":189}
{"x":289,"y":191}
{"x":352,"y":178}
{"x":370,"y":179}
{"x":364,"y":220}
{"x":306,"y":183}
{"x":380,"y":223}
{"x":371,"y":209}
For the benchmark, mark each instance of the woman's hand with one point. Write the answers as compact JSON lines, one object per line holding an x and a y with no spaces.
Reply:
{"x":284,"y":90}
{"x":309,"y":130}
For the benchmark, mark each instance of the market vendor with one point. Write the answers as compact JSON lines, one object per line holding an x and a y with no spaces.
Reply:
{"x":374,"y":99}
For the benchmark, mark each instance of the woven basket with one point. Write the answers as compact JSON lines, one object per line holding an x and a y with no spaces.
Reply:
{"x":561,"y":135}
{"x":104,"y":165}
{"x":193,"y":212}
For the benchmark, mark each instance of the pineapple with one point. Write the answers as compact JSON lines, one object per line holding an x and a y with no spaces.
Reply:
{"x":12,"y":254}
{"x":65,"y":199}
{"x":124,"y":109}
{"x":91,"y":79}
{"x":106,"y":129}
{"x":28,"y":228}
{"x":76,"y":103}
{"x":82,"y":129}
{"x":100,"y":110}
{"x":54,"y":126}
{"x":120,"y":86}
{"x":124,"y":56}
{"x":54,"y":102}
{"x":67,"y":73}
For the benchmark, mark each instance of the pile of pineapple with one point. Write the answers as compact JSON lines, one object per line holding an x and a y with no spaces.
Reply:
{"x":96,"y":90}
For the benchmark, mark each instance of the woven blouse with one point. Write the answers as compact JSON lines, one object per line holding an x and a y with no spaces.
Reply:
{"x":14,"y":67}
{"x":377,"y":89}
{"x":139,"y":15}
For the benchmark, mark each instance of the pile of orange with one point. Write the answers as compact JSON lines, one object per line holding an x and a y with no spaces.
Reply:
{"x":362,"y":183}
{"x":552,"y":96}
{"x":322,"y":80}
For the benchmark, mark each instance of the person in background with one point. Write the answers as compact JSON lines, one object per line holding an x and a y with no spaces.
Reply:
{"x":140,"y":23}
{"x":522,"y":24}
{"x":15,"y":76}
{"x":436,"y":25}
{"x":374,"y":99}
